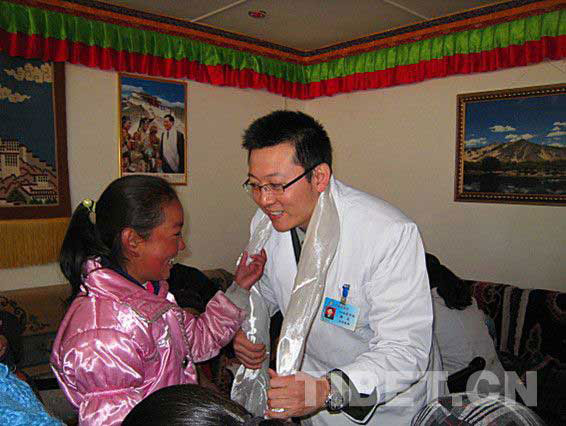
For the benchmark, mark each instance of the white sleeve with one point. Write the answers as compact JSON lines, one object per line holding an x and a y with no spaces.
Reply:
{"x":400,"y":316}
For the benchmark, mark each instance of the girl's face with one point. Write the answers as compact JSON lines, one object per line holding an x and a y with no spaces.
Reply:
{"x":156,"y":255}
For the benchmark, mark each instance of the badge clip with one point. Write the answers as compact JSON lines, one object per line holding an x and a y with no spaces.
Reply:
{"x":345,"y":291}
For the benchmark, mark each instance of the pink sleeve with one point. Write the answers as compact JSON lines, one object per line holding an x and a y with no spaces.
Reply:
{"x":213,"y":329}
{"x":100,"y":372}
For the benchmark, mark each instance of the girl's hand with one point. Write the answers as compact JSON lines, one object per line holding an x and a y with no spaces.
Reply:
{"x":247,"y":275}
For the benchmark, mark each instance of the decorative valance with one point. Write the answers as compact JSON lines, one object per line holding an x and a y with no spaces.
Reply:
{"x":72,"y":32}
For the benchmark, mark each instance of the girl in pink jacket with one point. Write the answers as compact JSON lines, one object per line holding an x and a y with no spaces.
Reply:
{"x":123,"y":336}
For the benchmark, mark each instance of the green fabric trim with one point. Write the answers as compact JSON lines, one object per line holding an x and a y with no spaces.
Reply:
{"x":471,"y":41}
{"x":16,"y":18}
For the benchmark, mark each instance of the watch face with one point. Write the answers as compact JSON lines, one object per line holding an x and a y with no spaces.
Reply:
{"x":336,"y":401}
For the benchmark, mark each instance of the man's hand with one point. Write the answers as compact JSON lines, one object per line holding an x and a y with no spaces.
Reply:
{"x":247,"y":275}
{"x":250,"y":354}
{"x":296,"y":395}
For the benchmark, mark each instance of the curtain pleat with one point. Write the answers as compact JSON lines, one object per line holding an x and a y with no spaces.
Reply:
{"x":37,"y":33}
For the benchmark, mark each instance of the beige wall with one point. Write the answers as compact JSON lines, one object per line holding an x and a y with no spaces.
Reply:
{"x":217,"y":211}
{"x":399,"y":143}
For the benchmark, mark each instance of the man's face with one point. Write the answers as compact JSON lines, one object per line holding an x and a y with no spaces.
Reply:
{"x":167,"y":123}
{"x":293,"y":207}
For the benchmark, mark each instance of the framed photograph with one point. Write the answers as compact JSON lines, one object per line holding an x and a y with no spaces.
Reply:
{"x":153,"y":127}
{"x":34,"y":177}
{"x":511,"y":146}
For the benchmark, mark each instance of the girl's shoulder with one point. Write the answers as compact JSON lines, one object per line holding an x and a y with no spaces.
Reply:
{"x":92,"y":318}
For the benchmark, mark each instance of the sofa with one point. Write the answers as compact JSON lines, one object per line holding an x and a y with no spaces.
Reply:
{"x":530,"y":335}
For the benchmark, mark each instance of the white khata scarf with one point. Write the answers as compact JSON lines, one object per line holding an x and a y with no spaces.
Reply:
{"x":319,"y":248}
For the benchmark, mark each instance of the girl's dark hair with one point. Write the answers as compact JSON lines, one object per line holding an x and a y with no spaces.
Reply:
{"x":129,"y":202}
{"x":456,"y":294}
{"x":191,"y":405}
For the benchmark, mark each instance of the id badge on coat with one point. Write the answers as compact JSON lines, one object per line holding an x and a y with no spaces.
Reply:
{"x":340,"y":314}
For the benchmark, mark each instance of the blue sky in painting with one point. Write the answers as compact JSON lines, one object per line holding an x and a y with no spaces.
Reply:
{"x":170,"y":93}
{"x":537,"y":119}
{"x":26,"y":108}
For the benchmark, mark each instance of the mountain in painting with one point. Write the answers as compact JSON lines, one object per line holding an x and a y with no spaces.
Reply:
{"x":516,"y":152}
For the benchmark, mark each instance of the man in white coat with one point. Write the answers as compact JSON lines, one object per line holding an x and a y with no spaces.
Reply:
{"x":172,"y":147}
{"x":368,"y":351}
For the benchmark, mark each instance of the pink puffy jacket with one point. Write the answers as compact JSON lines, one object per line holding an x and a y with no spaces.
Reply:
{"x":118,"y":343}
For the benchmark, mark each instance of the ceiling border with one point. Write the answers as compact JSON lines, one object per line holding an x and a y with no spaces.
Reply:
{"x":471,"y":19}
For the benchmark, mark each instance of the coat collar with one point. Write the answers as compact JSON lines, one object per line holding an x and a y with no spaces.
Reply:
{"x":107,"y":283}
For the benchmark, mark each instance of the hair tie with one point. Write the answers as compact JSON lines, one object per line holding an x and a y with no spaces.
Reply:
{"x":90,"y":205}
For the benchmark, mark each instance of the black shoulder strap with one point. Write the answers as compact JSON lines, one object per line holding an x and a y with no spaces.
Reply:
{"x":296,"y":244}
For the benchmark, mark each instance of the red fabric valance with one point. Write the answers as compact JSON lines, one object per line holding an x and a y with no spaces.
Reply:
{"x":52,"y":35}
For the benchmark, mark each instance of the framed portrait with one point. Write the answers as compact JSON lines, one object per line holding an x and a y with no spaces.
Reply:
{"x":34,"y":177}
{"x":511,"y":146}
{"x":153,"y":127}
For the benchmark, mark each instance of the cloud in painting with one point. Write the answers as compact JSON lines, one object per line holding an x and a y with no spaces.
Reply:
{"x":513,"y":137}
{"x":172,"y":104}
{"x":29,"y":72}
{"x":474,"y":143}
{"x":559,"y":123}
{"x":130,"y":88}
{"x":556,"y":133}
{"x":557,"y":145}
{"x":13,"y":97}
{"x":499,"y":128}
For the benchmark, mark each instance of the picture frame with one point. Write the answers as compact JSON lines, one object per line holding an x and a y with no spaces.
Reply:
{"x":152,"y":134}
{"x":34,"y":175}
{"x":511,"y":146}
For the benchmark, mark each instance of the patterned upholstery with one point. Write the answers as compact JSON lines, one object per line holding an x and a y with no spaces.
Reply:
{"x":529,"y":323}
{"x":471,"y":409}
{"x":39,"y":311}
{"x":530,"y":335}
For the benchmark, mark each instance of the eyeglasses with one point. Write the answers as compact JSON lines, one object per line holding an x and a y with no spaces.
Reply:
{"x":255,"y":189}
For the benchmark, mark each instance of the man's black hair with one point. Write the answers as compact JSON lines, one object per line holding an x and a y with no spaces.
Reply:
{"x":311,"y":142}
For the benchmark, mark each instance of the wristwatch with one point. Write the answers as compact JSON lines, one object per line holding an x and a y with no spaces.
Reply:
{"x":335,"y":401}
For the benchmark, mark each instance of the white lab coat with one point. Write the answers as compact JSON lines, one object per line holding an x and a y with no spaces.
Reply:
{"x":380,"y":255}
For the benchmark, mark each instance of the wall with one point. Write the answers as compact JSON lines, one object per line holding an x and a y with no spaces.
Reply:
{"x":217,"y":210}
{"x":399,"y":143}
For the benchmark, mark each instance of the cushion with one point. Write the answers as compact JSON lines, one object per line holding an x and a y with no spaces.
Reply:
{"x":473,"y":409}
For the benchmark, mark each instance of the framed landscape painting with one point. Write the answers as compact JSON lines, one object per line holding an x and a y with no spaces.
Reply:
{"x":153,"y":127}
{"x":511,"y":146}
